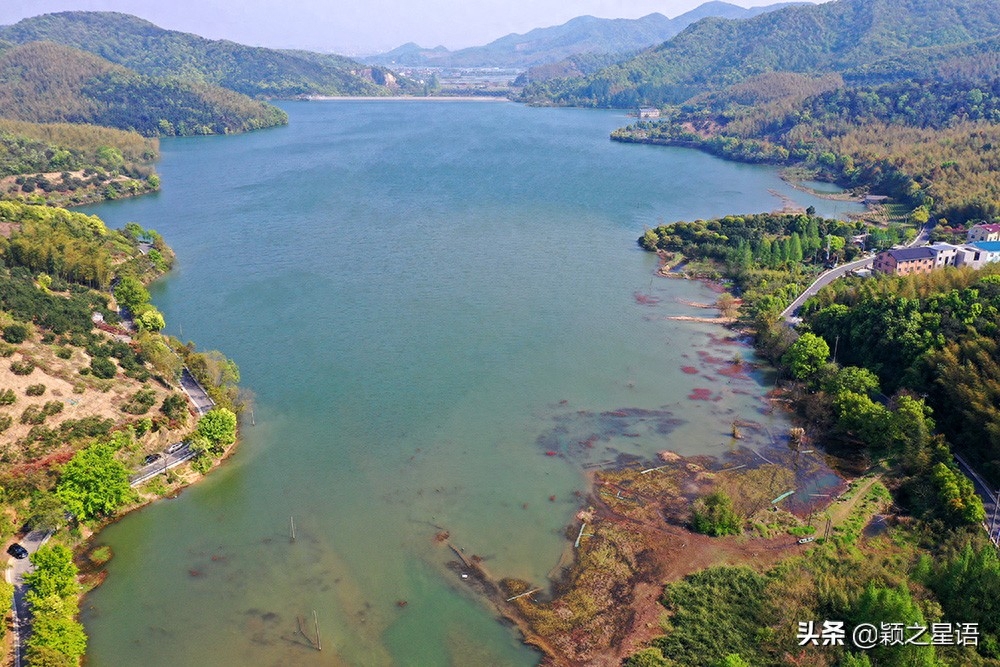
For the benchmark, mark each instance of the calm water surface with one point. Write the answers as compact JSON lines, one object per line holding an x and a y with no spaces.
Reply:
{"x":426,"y":299}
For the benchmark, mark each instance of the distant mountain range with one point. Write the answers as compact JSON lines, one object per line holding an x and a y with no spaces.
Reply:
{"x":150,"y":50}
{"x":582,"y":35}
{"x":864,"y":40}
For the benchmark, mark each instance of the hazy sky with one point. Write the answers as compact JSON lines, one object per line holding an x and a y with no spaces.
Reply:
{"x":358,"y":26}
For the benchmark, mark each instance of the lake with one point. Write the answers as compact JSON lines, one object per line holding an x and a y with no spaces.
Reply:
{"x":433,"y":304}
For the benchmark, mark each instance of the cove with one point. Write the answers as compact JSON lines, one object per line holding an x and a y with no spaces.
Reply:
{"x":426,"y":300}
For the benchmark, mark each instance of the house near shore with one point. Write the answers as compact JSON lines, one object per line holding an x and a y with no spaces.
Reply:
{"x":905,"y":261}
{"x":924,"y":259}
{"x":983,"y":232}
{"x":647,"y":113}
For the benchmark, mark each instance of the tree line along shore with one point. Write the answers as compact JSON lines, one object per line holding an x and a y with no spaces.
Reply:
{"x":89,"y":393}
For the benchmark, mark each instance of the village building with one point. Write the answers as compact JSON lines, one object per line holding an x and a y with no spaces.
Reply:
{"x":983,"y":233}
{"x":905,"y":261}
{"x":970,"y":256}
{"x":990,"y":248}
{"x":648,"y":112}
{"x":945,"y":254}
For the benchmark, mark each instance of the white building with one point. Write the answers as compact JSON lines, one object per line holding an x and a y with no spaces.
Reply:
{"x":945,"y":254}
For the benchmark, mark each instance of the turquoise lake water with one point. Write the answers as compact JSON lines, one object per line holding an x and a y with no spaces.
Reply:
{"x":425,"y":299}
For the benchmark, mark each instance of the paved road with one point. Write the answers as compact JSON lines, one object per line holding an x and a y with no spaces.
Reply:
{"x":821,"y":282}
{"x":15,"y":575}
{"x":201,"y":400}
{"x":165,"y":463}
{"x":990,"y":499}
{"x":826,"y":278}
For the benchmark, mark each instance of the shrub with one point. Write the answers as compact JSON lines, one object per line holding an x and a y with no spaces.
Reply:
{"x":64,"y":352}
{"x":202,"y":464}
{"x":35,"y":390}
{"x":140,"y":403}
{"x":22,"y":367}
{"x":174,"y":406}
{"x":52,"y":408}
{"x":103,"y":368}
{"x":714,"y":515}
{"x":16,"y":333}
{"x":6,"y":349}
{"x":32,"y":415}
{"x":5,"y":422}
{"x":143,"y":426}
{"x":7,"y":397}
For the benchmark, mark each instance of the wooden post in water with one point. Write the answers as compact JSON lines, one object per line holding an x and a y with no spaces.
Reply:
{"x":253,"y":422}
{"x":319,"y":642}
{"x":292,"y":520}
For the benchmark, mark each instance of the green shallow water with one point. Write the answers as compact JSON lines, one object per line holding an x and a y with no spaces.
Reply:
{"x":426,"y":299}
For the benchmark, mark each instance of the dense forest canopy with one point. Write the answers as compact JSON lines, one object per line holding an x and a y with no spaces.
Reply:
{"x":811,"y":39}
{"x":50,"y":83}
{"x":154,"y":52}
{"x":74,"y":164}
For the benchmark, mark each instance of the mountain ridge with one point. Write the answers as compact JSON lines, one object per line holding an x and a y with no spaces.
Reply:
{"x":579,"y":35}
{"x":836,"y":36}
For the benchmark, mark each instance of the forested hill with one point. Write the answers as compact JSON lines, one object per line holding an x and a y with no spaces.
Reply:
{"x":152,"y":51}
{"x":583,"y":34}
{"x":845,"y":36}
{"x":49,"y":83}
{"x":68,"y":165}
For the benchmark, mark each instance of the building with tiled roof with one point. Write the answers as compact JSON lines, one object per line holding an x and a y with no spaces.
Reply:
{"x":905,"y":261}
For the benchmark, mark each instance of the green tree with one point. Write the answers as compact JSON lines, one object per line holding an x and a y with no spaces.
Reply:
{"x":851,"y":378}
{"x":16,"y":333}
{"x":806,"y":356}
{"x":893,"y":605}
{"x":218,"y":426}
{"x":43,"y":656}
{"x":94,"y":483}
{"x":102,"y":367}
{"x":866,"y":419}
{"x":58,"y":633}
{"x":151,"y":320}
{"x":55,"y":573}
{"x":46,"y":512}
{"x":966,"y":583}
{"x":957,"y":496}
{"x":131,"y":293}
{"x":795,"y":248}
{"x":714,"y":515}
{"x":6,"y":600}
{"x":110,"y":158}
